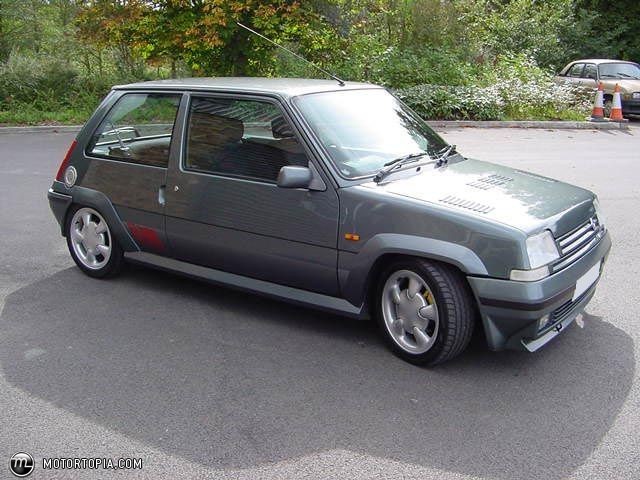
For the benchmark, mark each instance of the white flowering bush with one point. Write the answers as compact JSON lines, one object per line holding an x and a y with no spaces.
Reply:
{"x":453,"y":102}
{"x":506,"y":99}
{"x":544,"y":98}
{"x":514,"y":88}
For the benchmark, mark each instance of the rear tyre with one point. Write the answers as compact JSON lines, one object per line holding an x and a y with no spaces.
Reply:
{"x":91,"y":243}
{"x":424,"y":310}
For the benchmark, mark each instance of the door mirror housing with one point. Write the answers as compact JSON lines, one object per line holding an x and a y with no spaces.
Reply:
{"x":292,"y":176}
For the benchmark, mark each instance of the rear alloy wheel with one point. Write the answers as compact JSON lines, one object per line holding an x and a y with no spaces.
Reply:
{"x":425,"y":311}
{"x":91,"y":244}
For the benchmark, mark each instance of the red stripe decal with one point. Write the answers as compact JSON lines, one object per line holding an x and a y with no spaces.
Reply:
{"x":146,"y":237}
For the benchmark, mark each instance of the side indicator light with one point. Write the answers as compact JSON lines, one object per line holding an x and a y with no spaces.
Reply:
{"x":354,"y":237}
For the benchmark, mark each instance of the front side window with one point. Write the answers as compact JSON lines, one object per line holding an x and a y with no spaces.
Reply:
{"x":576,"y":70}
{"x":364,"y":129}
{"x":620,"y":70}
{"x":240,"y":138}
{"x":590,"y":71}
{"x":138,"y":129}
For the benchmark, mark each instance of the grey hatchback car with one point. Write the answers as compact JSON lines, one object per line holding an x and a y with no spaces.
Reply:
{"x":335,"y":196}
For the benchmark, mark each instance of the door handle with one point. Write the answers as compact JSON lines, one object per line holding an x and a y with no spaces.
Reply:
{"x":161,"y":197}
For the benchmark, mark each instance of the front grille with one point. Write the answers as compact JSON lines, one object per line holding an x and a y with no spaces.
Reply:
{"x":563,"y":311}
{"x":576,"y":243}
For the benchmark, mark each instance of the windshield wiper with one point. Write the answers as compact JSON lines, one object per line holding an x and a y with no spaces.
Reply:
{"x":397,"y":162}
{"x":445,"y":153}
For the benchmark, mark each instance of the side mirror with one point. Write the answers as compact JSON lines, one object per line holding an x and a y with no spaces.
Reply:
{"x":292,"y":176}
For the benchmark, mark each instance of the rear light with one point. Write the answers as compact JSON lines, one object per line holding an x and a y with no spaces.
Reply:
{"x":65,"y":161}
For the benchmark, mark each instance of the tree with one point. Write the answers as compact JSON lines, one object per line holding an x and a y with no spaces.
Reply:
{"x":201,"y":33}
{"x":606,"y":29}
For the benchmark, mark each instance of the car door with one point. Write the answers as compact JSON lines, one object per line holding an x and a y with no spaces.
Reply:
{"x":127,"y":158}
{"x":590,"y":76}
{"x":224,"y":208}
{"x":575,"y":73}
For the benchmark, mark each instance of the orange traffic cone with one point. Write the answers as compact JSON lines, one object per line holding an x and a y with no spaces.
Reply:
{"x":616,"y":106}
{"x":597,"y":114}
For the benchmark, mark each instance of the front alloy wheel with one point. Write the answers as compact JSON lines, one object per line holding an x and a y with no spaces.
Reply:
{"x":425,"y":310}
{"x":410,"y":312}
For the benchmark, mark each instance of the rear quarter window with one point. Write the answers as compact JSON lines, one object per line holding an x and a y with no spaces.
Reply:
{"x":137,"y":129}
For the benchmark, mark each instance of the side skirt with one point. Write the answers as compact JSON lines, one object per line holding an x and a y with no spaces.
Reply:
{"x":273,"y":290}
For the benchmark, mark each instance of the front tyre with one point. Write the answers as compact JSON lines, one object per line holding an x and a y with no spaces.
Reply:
{"x":425,"y":311}
{"x":91,"y":243}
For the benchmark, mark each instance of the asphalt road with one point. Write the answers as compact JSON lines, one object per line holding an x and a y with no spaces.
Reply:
{"x":205,"y":382}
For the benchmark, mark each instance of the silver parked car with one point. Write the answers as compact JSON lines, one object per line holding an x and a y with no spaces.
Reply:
{"x":335,"y":196}
{"x":610,"y":73}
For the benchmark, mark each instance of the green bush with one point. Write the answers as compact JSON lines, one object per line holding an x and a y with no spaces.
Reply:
{"x":36,"y":89}
{"x":397,"y":68}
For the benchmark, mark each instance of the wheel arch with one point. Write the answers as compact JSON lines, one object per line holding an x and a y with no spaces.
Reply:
{"x":87,"y":197}
{"x":387,"y":259}
{"x":359,"y":272}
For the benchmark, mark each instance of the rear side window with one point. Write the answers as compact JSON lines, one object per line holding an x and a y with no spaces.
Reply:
{"x":240,"y":138}
{"x":576,"y":70}
{"x":138,"y":129}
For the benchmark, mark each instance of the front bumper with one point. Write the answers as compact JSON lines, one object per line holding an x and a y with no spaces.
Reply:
{"x":630,"y":107}
{"x":510,"y":310}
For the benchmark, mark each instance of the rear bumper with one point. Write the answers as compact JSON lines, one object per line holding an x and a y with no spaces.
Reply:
{"x":511,"y":310}
{"x":59,"y":204}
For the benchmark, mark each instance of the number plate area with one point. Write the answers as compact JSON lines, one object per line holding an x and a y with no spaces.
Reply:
{"x":584,"y":282}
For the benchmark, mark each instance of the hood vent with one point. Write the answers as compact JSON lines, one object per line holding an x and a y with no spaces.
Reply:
{"x":468,"y":204}
{"x":490,"y":181}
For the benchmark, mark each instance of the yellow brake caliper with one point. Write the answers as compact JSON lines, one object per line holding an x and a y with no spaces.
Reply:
{"x":428,"y":297}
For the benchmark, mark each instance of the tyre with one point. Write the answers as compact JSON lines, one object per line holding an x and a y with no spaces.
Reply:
{"x":91,"y":243}
{"x":425,"y":311}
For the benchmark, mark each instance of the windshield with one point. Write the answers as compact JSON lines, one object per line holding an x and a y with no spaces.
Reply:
{"x":364,"y":129}
{"x":619,"y":70}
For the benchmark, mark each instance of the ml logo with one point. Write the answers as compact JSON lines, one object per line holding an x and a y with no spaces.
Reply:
{"x":21,"y":464}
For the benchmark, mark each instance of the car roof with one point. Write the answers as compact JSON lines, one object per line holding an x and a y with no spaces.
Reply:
{"x":601,"y":60}
{"x":286,"y":87}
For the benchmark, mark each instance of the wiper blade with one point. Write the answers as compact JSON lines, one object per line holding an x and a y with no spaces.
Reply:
{"x":445,"y":153}
{"x":405,"y":157}
{"x":397,"y":162}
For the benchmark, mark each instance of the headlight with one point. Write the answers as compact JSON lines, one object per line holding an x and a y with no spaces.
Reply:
{"x":598,"y":208}
{"x":541,"y":249}
{"x":636,"y":95}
